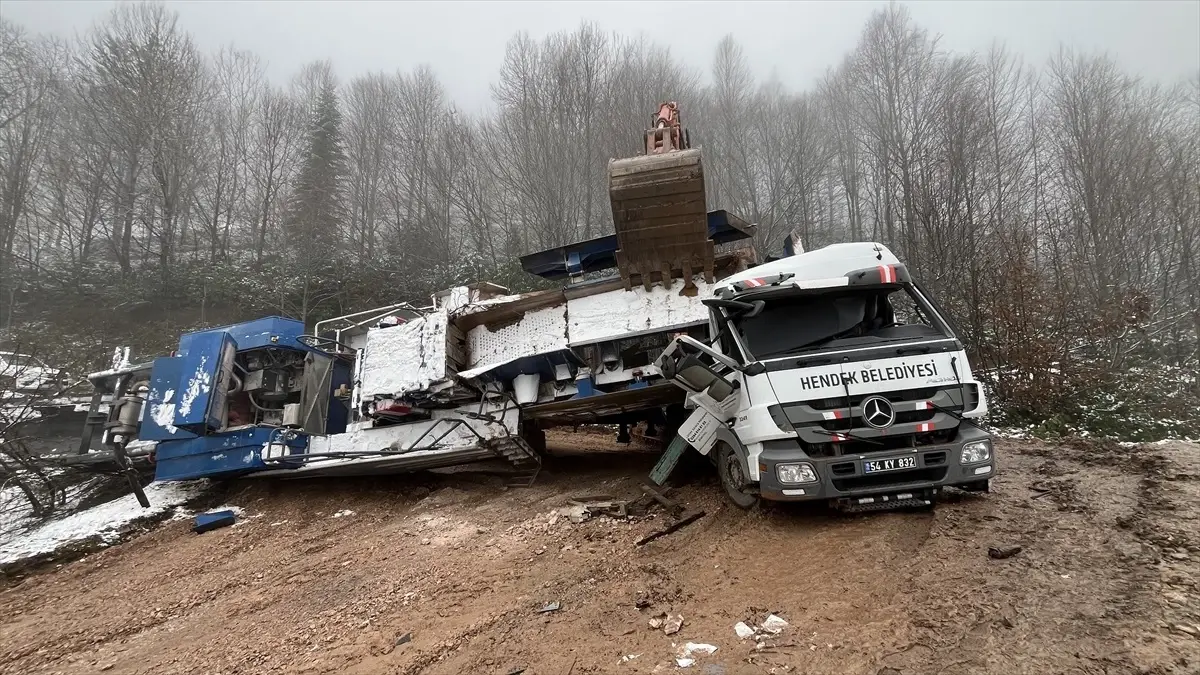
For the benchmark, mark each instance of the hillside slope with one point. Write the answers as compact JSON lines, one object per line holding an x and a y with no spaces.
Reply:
{"x":324,"y":577}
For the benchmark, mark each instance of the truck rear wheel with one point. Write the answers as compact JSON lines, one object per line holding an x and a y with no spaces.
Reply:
{"x":733,"y":477}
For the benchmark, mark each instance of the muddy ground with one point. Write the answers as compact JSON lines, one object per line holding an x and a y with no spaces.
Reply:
{"x":445,"y":575}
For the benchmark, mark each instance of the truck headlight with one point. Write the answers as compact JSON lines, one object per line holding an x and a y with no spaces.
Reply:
{"x":975,"y":452}
{"x":796,"y":473}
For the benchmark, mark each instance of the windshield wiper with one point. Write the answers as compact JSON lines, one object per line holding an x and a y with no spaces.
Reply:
{"x":807,"y":346}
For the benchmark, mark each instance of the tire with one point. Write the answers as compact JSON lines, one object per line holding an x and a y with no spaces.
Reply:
{"x":733,"y":477}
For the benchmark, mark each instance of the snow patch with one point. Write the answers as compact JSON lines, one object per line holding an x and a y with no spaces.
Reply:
{"x":405,"y":358}
{"x":164,"y":413}
{"x":619,"y":313}
{"x":105,"y":521}
{"x":200,"y":383}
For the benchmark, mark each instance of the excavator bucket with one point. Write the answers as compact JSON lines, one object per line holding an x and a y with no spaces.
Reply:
{"x":659,"y":209}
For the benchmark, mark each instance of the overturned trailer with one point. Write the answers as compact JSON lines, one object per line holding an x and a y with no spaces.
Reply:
{"x":479,"y":374}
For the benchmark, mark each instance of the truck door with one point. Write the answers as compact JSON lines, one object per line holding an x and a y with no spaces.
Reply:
{"x":711,"y":378}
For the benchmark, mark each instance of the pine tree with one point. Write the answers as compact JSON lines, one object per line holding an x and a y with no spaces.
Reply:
{"x":316,"y":213}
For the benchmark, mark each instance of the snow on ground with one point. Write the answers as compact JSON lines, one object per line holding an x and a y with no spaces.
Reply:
{"x":104,"y":521}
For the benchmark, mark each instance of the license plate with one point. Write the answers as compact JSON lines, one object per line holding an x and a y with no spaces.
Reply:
{"x":893,"y":464}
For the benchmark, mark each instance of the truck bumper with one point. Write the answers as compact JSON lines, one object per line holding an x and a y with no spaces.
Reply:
{"x":843,"y":477}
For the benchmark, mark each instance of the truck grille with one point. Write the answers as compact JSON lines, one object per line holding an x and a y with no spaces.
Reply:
{"x":835,"y":426}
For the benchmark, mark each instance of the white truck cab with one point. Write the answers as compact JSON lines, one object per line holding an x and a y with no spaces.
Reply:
{"x":830,"y":375}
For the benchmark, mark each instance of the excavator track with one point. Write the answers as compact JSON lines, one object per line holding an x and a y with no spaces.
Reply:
{"x":659,"y":208}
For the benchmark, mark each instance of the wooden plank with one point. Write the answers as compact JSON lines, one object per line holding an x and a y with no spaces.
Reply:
{"x":679,"y":524}
{"x":510,"y":311}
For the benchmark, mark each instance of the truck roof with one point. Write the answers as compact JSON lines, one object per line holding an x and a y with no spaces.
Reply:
{"x":823,"y":267}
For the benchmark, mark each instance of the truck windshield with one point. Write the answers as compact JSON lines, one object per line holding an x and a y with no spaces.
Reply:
{"x":801,"y":323}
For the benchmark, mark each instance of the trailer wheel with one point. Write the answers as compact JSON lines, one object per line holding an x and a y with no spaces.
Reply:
{"x":733,"y":477}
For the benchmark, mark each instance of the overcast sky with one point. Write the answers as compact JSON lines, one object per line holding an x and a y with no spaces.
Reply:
{"x":464,"y":41}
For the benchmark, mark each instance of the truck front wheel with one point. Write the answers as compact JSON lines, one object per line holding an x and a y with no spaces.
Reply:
{"x":733,"y":477}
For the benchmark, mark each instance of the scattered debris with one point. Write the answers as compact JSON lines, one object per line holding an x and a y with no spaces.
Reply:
{"x":672,"y":625}
{"x":342,"y":514}
{"x":657,"y":622}
{"x":550,"y":607}
{"x":628,"y":657}
{"x":671,"y":505}
{"x":774,"y":625}
{"x":698,"y":648}
{"x":686,"y":659}
{"x":770,"y":627}
{"x":1000,"y":553}
{"x":642,"y":601}
{"x":576,"y":513}
{"x":206,"y":522}
{"x":583,"y":508}
{"x":683,"y":522}
{"x":404,"y":639}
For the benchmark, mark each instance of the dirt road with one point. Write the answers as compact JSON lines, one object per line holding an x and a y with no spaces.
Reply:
{"x":445,"y":576}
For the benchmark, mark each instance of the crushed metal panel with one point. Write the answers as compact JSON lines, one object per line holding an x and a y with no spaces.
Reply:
{"x":601,"y":405}
{"x":539,"y":331}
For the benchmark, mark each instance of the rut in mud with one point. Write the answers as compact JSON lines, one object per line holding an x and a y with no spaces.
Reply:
{"x":446,"y":575}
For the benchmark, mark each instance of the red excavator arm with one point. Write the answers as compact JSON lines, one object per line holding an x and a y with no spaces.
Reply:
{"x":666,"y":131}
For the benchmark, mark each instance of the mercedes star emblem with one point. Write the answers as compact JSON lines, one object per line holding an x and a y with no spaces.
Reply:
{"x":878,"y":412}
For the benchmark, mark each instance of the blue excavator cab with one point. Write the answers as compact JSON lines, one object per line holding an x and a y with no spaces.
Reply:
{"x":227,"y":393}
